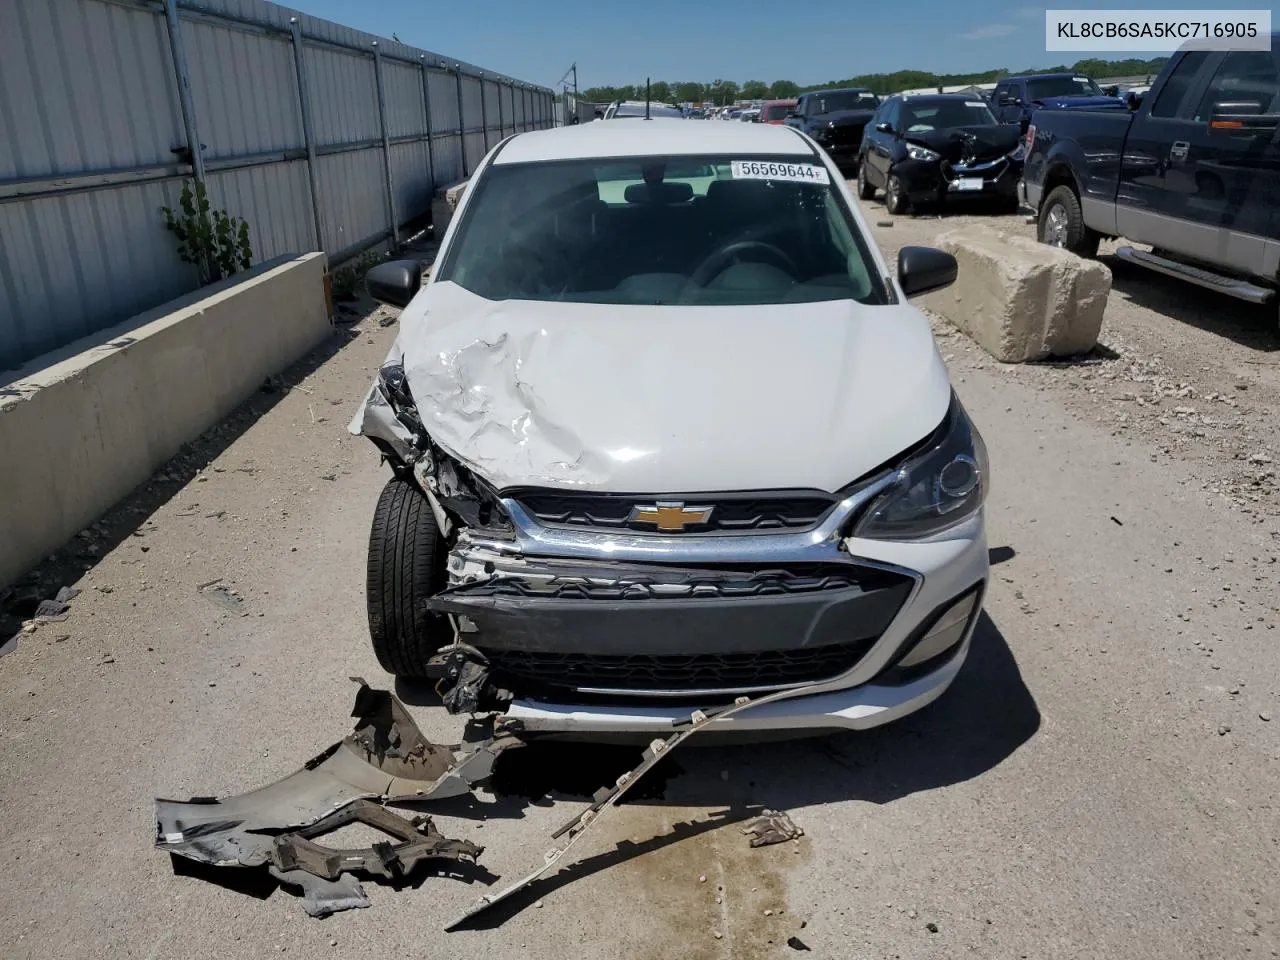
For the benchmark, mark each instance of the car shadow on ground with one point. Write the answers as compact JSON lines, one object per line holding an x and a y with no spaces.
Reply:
{"x":1250,"y":325}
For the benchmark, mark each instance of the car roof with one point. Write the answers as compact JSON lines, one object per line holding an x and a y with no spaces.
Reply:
{"x":837,"y":90}
{"x":785,"y":101}
{"x":647,"y":138}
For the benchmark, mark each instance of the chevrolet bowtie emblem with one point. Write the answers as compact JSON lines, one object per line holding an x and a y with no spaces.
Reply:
{"x":670,"y":515}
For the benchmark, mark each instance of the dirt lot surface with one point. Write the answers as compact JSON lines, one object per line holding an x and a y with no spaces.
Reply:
{"x":1100,"y":781}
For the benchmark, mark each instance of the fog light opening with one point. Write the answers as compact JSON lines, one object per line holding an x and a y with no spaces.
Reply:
{"x":947,"y":631}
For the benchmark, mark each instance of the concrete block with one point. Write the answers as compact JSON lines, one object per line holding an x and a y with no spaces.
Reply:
{"x":81,"y":428}
{"x":1019,"y":299}
{"x":443,"y":206}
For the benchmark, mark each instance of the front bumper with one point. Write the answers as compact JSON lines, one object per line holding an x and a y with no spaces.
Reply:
{"x":933,"y":181}
{"x":592,"y":634}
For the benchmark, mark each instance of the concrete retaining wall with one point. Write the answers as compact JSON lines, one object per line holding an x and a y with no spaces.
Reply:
{"x":1019,"y":299}
{"x":443,"y":206}
{"x":91,"y":422}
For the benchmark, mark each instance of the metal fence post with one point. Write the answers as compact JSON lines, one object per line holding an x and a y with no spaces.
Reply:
{"x":185,"y":99}
{"x":304,"y":101}
{"x":462,"y":127}
{"x":426,"y":109}
{"x":386,"y":146}
{"x":502,"y":130}
{"x":484,"y":113}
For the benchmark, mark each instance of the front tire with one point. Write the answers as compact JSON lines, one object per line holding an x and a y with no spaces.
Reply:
{"x":866,"y":190}
{"x":1061,"y":224}
{"x":895,"y":201}
{"x":406,"y":566}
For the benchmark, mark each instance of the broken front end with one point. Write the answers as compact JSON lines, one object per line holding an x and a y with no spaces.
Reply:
{"x":585,"y":611}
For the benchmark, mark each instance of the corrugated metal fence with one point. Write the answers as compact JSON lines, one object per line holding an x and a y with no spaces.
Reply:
{"x":320,"y":136}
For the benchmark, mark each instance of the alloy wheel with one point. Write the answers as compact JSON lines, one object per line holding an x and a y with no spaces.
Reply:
{"x":1055,"y":226}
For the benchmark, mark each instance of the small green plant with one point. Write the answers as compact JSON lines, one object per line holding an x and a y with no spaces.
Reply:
{"x":347,"y":278}
{"x":215,"y":242}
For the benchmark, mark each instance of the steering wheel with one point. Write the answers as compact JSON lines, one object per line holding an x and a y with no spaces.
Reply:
{"x":730,"y":253}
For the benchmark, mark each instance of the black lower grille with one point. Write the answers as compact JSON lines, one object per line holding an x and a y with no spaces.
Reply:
{"x":724,"y":671}
{"x":847,"y":134}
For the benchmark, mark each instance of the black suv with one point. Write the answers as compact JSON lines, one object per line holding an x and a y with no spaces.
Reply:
{"x":835,"y":118}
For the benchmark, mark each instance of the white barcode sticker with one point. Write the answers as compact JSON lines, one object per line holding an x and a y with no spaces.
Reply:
{"x":770,"y":170}
{"x":974,"y":103}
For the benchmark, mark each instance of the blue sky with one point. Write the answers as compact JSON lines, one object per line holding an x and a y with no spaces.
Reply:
{"x":811,"y":42}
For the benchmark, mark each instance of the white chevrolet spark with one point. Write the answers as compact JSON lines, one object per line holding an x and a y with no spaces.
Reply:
{"x":664,"y":433}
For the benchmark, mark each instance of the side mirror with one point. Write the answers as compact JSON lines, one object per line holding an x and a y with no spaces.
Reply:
{"x":884,"y":128}
{"x":394,"y":283}
{"x":1242,"y":115}
{"x":921,"y":269}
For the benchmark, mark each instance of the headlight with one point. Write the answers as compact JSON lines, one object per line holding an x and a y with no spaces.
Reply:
{"x":922,"y":153}
{"x":1019,"y":152}
{"x":939,"y":487}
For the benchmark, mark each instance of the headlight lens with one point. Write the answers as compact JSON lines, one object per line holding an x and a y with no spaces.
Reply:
{"x":938,"y":488}
{"x":1019,"y":152}
{"x":922,"y":153}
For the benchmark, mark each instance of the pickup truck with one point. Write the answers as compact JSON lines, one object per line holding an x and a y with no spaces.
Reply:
{"x":836,"y":119}
{"x":1194,"y":173}
{"x":1016,"y":98}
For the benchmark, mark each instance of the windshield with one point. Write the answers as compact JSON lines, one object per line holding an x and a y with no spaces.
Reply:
{"x":942,"y":114}
{"x":849,"y":100}
{"x":1062,"y":87}
{"x":707,"y":230}
{"x":777,"y":111}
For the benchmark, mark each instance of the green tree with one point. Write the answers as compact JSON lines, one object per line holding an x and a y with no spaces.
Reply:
{"x":724,"y":91}
{"x":688,"y":91}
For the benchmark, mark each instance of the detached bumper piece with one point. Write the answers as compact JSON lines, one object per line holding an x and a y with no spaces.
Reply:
{"x":385,"y":759}
{"x":274,"y":829}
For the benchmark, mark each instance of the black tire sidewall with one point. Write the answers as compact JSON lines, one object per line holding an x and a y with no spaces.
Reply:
{"x":406,"y":566}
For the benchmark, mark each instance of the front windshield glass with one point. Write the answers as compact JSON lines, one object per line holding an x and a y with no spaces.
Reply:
{"x":1061,"y":87}
{"x":942,"y":114}
{"x":776,"y":111}
{"x":710,"y":230}
{"x":849,"y":100}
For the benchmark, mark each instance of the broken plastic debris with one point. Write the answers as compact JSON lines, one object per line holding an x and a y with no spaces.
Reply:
{"x":385,"y":758}
{"x":772,"y":827}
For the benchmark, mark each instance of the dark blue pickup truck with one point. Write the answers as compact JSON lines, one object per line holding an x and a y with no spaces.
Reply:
{"x":1016,"y":98}
{"x":1194,"y":173}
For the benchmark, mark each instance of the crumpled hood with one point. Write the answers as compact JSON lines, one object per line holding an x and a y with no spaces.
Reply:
{"x":634,"y":399}
{"x":969,"y":144}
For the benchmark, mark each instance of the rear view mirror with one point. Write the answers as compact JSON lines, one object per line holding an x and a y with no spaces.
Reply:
{"x":1244,"y":115}
{"x":394,"y":283}
{"x":921,"y":269}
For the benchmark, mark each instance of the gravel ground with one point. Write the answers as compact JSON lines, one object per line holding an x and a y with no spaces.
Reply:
{"x":1100,"y":781}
